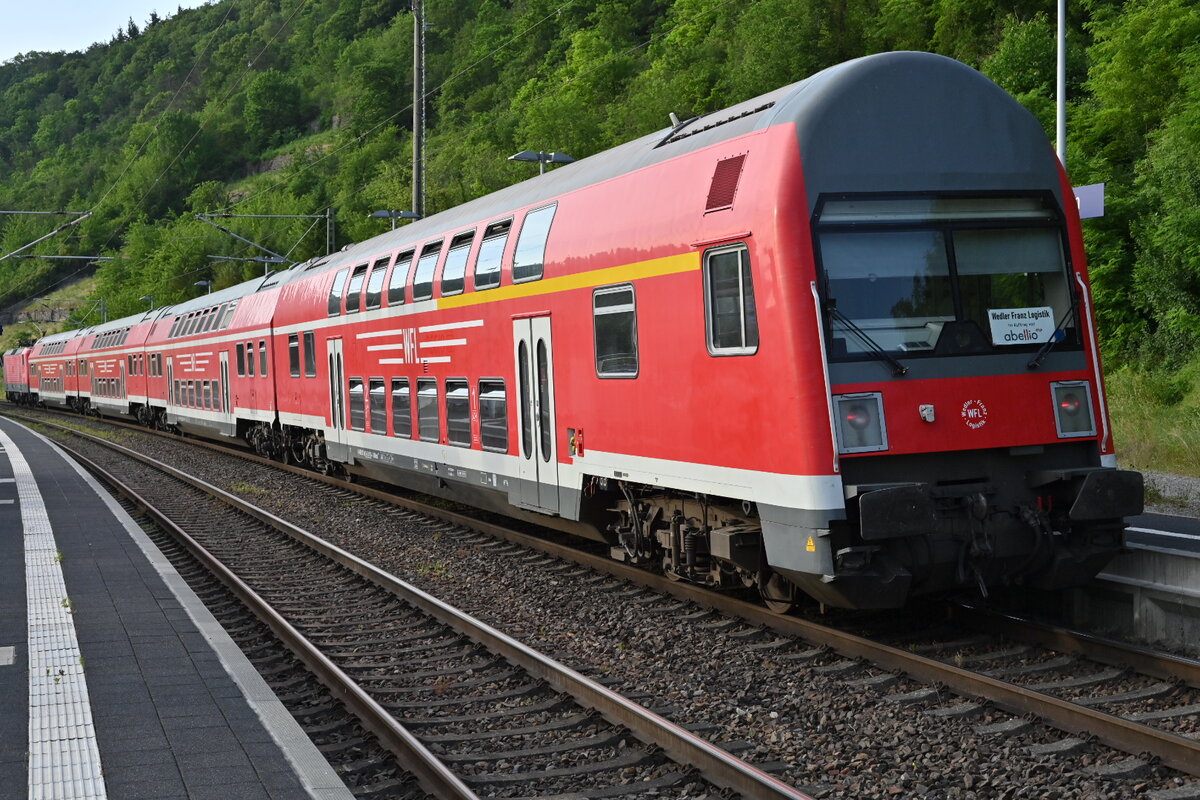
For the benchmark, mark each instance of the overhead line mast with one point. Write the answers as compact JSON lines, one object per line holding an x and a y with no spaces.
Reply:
{"x":418,"y":180}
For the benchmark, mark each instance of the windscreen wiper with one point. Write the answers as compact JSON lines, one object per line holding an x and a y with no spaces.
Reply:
{"x":1056,"y":337}
{"x":872,"y":346}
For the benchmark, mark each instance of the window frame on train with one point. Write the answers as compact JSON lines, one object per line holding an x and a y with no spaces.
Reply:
{"x":746,"y":331}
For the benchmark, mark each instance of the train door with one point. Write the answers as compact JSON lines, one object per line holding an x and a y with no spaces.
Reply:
{"x":223,"y":397}
{"x":535,"y":408}
{"x":170,"y":386}
{"x":337,"y":392}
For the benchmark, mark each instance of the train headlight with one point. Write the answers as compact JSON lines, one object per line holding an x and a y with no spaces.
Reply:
{"x":1073,"y":409}
{"x":860,"y":424}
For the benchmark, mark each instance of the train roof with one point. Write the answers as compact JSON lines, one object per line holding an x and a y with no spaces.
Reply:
{"x":855,"y":122}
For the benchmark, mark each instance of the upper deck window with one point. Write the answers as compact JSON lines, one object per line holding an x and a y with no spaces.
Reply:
{"x":354,"y":292}
{"x":335,"y":292}
{"x":487,"y":262}
{"x":945,"y":276}
{"x":375,"y":282}
{"x":399,"y":279}
{"x":455,"y":270}
{"x":423,"y":279}
{"x":529,"y":261}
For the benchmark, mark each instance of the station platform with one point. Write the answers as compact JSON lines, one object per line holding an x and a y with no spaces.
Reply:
{"x":115,"y":680}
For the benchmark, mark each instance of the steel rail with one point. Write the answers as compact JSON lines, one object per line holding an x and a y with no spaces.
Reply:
{"x":1098,"y":648}
{"x":716,"y":764}
{"x":430,"y":772}
{"x":1176,"y":751}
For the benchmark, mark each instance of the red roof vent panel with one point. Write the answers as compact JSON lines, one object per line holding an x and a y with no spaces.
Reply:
{"x":724,"y":183}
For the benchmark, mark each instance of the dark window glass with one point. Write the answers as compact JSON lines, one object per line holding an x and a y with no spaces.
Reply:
{"x":732,"y":319}
{"x":335,"y":292}
{"x":423,"y":280}
{"x":378,"y":397}
{"x":192,"y":393}
{"x":294,"y":354}
{"x":250,"y":359}
{"x":399,"y":279}
{"x":216,"y":395}
{"x":458,"y":412}
{"x":354,"y":291}
{"x":310,"y":355}
{"x":526,"y":402}
{"x":455,"y":269}
{"x":543,"y":388}
{"x":428,"y":423}
{"x":493,"y":415}
{"x":262,"y":358}
{"x":401,"y":408}
{"x":487,"y":263}
{"x":531,"y":244}
{"x":614,"y":316}
{"x":207,"y":394}
{"x":228,"y":315}
{"x":358,"y":402}
{"x":375,"y":282}
{"x":241,"y":360}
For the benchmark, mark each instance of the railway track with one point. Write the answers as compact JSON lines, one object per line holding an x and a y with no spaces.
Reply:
{"x":1135,"y":700}
{"x":505,"y":720}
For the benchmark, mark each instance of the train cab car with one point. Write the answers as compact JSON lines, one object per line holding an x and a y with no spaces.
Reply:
{"x":16,"y":375}
{"x":836,"y":340}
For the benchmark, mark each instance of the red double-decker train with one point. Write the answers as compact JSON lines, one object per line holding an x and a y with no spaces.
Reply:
{"x":834,"y":341}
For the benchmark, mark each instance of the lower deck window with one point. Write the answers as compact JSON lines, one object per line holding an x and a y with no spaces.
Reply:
{"x":378,"y":401}
{"x":401,"y":408}
{"x":428,"y":423}
{"x":358,"y":402}
{"x":493,"y":415}
{"x":458,"y":412}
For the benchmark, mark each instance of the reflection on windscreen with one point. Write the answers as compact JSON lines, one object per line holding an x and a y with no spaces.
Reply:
{"x":898,"y":287}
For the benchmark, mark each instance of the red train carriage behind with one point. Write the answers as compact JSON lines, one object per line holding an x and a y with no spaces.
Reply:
{"x":16,"y":375}
{"x":836,"y":340}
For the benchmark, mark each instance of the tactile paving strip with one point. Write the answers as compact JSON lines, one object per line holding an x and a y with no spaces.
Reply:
{"x":64,"y":759}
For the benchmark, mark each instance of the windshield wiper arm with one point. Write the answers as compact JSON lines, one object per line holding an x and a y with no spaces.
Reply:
{"x":1054,"y":339}
{"x":873,"y":347}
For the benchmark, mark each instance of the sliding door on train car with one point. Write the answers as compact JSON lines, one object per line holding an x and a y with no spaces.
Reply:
{"x":337,"y":393}
{"x":535,"y":408}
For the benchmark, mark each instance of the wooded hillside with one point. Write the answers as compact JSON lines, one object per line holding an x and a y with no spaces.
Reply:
{"x":293,"y":106}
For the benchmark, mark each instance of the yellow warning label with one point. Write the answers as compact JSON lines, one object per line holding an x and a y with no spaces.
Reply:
{"x":811,"y":546}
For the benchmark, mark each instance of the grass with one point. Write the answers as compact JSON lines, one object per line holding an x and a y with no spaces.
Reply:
{"x":1156,"y":419}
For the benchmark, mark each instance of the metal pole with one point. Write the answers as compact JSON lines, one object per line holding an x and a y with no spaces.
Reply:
{"x":1062,"y":83}
{"x":54,"y":232}
{"x":330,"y":235}
{"x":418,"y":133}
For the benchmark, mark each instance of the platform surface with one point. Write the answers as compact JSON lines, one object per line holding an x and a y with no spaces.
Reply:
{"x":115,"y":681}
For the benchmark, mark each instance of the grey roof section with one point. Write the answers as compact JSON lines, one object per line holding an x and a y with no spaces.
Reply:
{"x":915,"y":122}
{"x":901,"y":121}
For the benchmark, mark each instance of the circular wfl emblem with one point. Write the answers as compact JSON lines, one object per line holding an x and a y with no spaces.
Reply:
{"x":974,"y":413}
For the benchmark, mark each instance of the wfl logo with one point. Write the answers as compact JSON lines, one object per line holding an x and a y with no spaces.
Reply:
{"x":974,"y":413}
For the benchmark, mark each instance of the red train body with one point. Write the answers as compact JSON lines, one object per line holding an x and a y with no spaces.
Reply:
{"x":836,"y":339}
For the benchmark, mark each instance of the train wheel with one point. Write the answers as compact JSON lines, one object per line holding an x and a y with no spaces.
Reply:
{"x":778,"y":593}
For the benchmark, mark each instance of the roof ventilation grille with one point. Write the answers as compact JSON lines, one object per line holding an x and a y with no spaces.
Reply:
{"x":724,"y":183}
